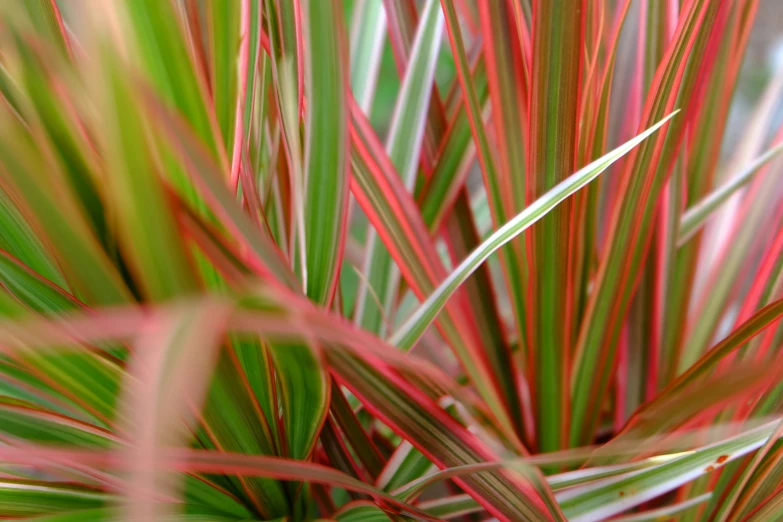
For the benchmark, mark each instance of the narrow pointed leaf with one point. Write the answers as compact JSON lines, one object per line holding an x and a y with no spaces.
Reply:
{"x":403,"y":146}
{"x":696,"y":215}
{"x":326,"y":147}
{"x":415,"y":325}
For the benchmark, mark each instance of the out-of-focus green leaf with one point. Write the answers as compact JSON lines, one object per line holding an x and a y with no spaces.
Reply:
{"x":165,"y":56}
{"x":18,"y":239}
{"x":146,"y":221}
{"x":25,"y":498}
{"x":84,"y":263}
{"x":304,"y":395}
{"x":30,"y":423}
{"x":90,"y":380}
{"x":114,"y":515}
{"x":224,"y":30}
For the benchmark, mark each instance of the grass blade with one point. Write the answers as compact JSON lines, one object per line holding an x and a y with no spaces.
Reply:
{"x":554,"y":122}
{"x":326,"y":147}
{"x":611,"y":496}
{"x":417,"y":323}
{"x":403,"y":147}
{"x":695,"y":216}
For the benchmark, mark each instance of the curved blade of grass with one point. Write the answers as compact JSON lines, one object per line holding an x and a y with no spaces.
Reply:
{"x":484,"y":308}
{"x":729,"y":500}
{"x":524,"y":466}
{"x":699,"y":397}
{"x":393,"y":212}
{"x":445,"y":206}
{"x":604,"y":498}
{"x":738,"y":337}
{"x":696,"y":215}
{"x":498,"y":189}
{"x":762,"y":481}
{"x":326,"y":147}
{"x":447,"y":158}
{"x":27,"y":498}
{"x":664,"y":513}
{"x":417,"y":323}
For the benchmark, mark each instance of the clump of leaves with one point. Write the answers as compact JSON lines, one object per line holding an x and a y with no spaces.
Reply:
{"x":235,"y":284}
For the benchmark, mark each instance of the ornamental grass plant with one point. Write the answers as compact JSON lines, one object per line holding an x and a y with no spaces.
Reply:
{"x":380,"y":260}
